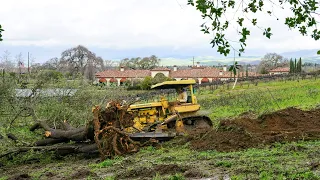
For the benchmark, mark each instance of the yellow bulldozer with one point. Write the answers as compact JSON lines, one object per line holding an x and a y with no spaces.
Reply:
{"x":165,"y":117}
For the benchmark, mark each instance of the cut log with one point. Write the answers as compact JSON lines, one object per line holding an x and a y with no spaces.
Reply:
{"x":92,"y":148}
{"x":60,"y":150}
{"x":40,"y":124}
{"x":49,"y":141}
{"x":69,"y":132}
{"x":11,"y":136}
{"x":78,"y":134}
{"x":66,"y":126}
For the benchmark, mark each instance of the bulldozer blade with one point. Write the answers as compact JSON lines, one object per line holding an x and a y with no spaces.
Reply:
{"x":152,"y":135}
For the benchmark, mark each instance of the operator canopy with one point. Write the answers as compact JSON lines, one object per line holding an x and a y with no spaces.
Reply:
{"x":173,"y":84}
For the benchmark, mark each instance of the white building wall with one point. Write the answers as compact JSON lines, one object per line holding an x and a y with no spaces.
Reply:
{"x":153,"y":73}
{"x":275,"y":73}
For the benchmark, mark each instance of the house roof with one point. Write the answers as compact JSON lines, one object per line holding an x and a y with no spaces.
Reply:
{"x":280,"y":69}
{"x":160,"y":69}
{"x":126,"y":73}
{"x":204,"y":72}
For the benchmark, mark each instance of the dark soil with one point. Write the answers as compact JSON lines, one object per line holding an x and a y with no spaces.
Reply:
{"x":83,"y":173}
{"x":287,"y":125}
{"x":169,"y":169}
{"x":161,"y":169}
{"x":193,"y":173}
{"x":20,"y":177}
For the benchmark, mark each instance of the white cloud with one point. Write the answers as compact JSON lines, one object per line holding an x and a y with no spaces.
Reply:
{"x":125,"y":24}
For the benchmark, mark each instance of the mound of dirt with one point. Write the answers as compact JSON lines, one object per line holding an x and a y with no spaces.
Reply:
{"x":290,"y":124}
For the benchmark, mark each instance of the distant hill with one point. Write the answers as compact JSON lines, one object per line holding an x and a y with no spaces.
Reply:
{"x":306,"y":55}
{"x":309,"y":55}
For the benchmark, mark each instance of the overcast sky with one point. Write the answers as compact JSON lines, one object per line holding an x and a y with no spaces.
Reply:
{"x":115,"y":29}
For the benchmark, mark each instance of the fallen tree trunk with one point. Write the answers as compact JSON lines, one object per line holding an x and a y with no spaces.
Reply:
{"x":66,"y":126}
{"x":60,"y":150}
{"x":49,"y":141}
{"x":40,"y":124}
{"x":70,"y":133}
{"x":74,"y":134}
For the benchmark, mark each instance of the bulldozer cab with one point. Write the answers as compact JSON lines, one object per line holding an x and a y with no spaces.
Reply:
{"x":181,"y":87}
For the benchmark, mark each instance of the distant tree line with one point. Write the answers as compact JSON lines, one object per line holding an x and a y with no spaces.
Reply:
{"x":141,"y":63}
{"x":76,"y":62}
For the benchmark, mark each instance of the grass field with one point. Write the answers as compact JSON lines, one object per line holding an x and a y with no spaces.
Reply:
{"x":171,"y":160}
{"x":260,"y":99}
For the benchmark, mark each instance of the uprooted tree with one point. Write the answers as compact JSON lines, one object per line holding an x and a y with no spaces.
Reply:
{"x":103,"y":134}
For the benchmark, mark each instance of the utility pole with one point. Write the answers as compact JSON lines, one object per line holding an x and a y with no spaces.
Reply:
{"x":28,"y":65}
{"x":193,"y":61}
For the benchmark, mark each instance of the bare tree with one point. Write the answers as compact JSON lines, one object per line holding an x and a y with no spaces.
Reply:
{"x":6,"y":61}
{"x":92,"y":67}
{"x":108,"y":64}
{"x":79,"y":60}
{"x":53,"y":64}
{"x":19,"y":62}
{"x":141,"y":63}
{"x":271,"y":61}
{"x":32,"y":63}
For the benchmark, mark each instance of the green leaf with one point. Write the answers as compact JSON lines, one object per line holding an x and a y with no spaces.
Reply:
{"x":190,"y":2}
{"x":240,"y":21}
{"x":1,"y":30}
{"x":303,"y":18}
{"x":267,"y":32}
{"x":318,"y":52}
{"x":254,"y":22}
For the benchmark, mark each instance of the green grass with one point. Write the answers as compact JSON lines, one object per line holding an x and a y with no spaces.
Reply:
{"x":296,"y":160}
{"x":264,"y":98}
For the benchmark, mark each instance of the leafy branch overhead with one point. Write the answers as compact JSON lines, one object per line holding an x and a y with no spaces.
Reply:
{"x":233,"y":68}
{"x":1,"y":30}
{"x":244,"y":13}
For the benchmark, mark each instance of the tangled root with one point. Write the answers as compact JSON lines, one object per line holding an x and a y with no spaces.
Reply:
{"x":108,"y":136}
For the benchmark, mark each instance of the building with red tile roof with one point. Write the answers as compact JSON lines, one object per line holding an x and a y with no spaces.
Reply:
{"x":280,"y":70}
{"x":201,"y":74}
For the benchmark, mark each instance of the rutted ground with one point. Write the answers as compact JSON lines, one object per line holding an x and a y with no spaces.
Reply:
{"x":218,"y":153}
{"x":286,"y":125}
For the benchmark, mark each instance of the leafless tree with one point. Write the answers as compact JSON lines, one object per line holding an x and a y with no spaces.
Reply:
{"x":79,"y":60}
{"x":6,"y":61}
{"x":19,"y":61}
{"x":271,"y":61}
{"x":141,"y":63}
{"x":53,"y":64}
{"x":108,"y":64}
